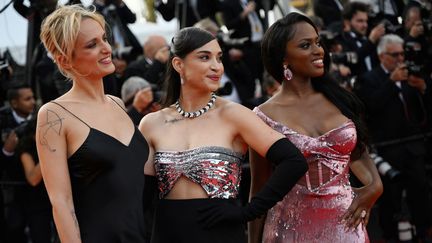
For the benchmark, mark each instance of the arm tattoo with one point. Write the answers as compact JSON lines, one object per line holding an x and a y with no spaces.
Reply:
{"x":76,"y":222}
{"x":53,"y":123}
{"x":174,"y":120}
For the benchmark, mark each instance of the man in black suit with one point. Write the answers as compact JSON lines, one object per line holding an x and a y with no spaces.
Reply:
{"x":424,"y":5}
{"x":330,"y":11}
{"x":396,"y":118}
{"x":390,"y":10}
{"x":12,"y":120}
{"x":355,"y":38}
{"x":188,"y":12}
{"x":151,"y":66}
{"x":243,"y":18}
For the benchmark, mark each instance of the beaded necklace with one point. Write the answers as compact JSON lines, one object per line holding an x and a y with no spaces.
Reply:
{"x":197,"y":113}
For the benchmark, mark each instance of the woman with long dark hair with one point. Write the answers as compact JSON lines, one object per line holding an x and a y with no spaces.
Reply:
{"x":197,"y":143}
{"x":323,"y":121}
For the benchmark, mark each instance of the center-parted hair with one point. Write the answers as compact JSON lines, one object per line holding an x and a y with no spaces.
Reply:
{"x":184,"y":42}
{"x":273,"y":53}
{"x":273,"y":45}
{"x":60,"y":29}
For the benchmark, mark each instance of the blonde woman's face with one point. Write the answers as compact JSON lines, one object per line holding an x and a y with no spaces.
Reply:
{"x":92,"y":52}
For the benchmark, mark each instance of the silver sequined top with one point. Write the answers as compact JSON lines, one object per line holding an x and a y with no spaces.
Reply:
{"x":216,"y":169}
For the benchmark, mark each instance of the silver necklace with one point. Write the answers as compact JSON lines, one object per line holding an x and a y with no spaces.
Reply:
{"x":197,"y":113}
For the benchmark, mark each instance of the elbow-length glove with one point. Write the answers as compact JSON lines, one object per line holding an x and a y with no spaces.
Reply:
{"x":290,"y":167}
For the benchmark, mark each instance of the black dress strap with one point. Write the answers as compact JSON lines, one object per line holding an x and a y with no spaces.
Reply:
{"x":117,"y":103}
{"x":70,"y":113}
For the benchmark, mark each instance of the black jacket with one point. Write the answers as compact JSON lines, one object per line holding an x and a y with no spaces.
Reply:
{"x":386,"y":119}
{"x":174,"y":8}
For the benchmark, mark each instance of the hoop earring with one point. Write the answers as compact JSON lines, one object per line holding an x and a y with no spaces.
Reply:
{"x":287,"y":73}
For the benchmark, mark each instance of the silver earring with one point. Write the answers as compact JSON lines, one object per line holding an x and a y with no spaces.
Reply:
{"x":287,"y":73}
{"x":181,"y":81}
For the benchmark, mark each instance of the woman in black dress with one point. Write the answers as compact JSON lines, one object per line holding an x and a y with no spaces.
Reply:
{"x":91,"y":154}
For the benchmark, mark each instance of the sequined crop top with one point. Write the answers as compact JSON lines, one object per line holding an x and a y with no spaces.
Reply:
{"x":216,"y":169}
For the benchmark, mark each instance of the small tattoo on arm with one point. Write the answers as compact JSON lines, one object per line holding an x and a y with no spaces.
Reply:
{"x":174,"y":120}
{"x":53,"y":123}
{"x":76,"y":223}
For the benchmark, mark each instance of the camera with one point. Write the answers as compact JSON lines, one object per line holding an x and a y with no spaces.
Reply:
{"x":427,"y":26}
{"x":413,"y":59}
{"x":122,"y":52}
{"x":390,"y":28}
{"x":384,"y":167}
{"x":3,"y":63}
{"x":225,"y":39}
{"x":225,"y":90}
{"x":343,"y":57}
{"x":44,"y":7}
{"x":23,"y":129}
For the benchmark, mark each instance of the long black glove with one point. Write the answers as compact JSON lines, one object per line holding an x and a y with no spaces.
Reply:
{"x":290,"y":167}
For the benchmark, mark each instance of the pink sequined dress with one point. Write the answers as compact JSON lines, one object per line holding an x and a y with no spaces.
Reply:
{"x":312,"y":210}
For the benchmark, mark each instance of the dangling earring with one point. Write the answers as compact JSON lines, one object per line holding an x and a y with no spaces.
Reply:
{"x":181,"y":80}
{"x":287,"y":73}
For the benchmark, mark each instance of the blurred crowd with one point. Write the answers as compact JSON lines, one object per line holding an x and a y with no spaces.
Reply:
{"x":379,"y":49}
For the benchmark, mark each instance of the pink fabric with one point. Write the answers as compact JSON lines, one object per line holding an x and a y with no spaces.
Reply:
{"x":312,"y":211}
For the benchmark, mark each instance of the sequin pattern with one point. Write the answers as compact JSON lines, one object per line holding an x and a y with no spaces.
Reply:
{"x":313,"y":214}
{"x":216,"y":169}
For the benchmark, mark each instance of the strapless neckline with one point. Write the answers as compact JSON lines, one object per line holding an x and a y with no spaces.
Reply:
{"x":341,"y":126}
{"x":220,"y":149}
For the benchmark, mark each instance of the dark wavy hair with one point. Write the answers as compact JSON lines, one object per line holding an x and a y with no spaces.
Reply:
{"x":273,"y":53}
{"x":184,"y":42}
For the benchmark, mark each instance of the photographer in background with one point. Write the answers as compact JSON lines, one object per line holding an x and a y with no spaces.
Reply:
{"x":5,"y":76}
{"x":13,"y":121}
{"x":152,"y":64}
{"x":139,"y":98}
{"x":356,"y":38}
{"x":118,"y":16}
{"x":396,"y":118}
{"x":126,"y":47}
{"x":34,"y":13}
{"x":418,"y":37}
{"x":187,"y":12}
{"x":339,"y":60}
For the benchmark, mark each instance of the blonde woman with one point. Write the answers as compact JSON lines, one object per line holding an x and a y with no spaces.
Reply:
{"x":91,"y":154}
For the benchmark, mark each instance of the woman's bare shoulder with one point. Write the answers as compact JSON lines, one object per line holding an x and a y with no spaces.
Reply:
{"x":234,"y":112}
{"x":156,"y":118}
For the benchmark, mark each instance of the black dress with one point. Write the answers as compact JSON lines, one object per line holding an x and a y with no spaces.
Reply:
{"x":107,"y":179}
{"x":218,"y":171}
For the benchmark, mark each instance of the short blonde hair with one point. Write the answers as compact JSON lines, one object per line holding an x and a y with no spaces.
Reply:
{"x":60,"y":29}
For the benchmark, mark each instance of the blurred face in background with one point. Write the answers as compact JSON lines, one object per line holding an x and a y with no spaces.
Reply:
{"x":153,"y":44}
{"x":25,"y":103}
{"x":359,"y":23}
{"x":393,"y":56}
{"x":413,"y":15}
